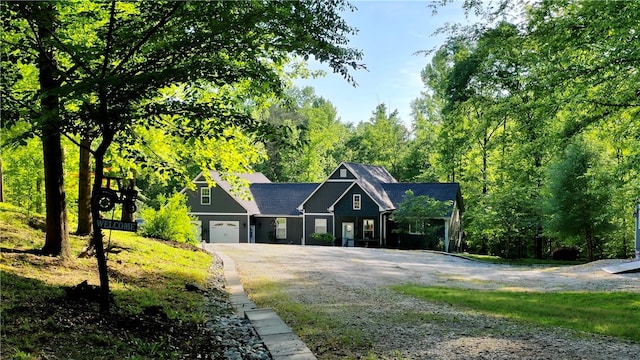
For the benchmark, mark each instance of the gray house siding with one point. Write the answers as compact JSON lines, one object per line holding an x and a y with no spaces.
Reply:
{"x":344,"y":207}
{"x":310,"y":223}
{"x":234,"y":219}
{"x":359,"y":236}
{"x":265,"y":233}
{"x":325,"y":195}
{"x":221,"y":201}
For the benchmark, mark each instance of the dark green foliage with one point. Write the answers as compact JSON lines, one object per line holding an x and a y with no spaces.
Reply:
{"x":416,"y":215}
{"x":578,"y":202}
{"x":565,"y":253}
{"x":324,"y":237}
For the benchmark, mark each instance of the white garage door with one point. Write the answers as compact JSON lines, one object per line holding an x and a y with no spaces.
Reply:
{"x":224,"y":231}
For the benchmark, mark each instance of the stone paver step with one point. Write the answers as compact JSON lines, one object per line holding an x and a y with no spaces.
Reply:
{"x":281,"y":342}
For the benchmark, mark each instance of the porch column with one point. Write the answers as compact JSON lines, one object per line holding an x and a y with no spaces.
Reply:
{"x":446,"y":234}
{"x":249,"y":230}
{"x":303,"y":241}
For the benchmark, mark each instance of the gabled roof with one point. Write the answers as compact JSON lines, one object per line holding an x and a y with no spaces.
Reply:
{"x":280,"y":198}
{"x":438,"y":191}
{"x":286,"y":199}
{"x":247,"y":204}
{"x":254,"y":178}
{"x":371,"y":178}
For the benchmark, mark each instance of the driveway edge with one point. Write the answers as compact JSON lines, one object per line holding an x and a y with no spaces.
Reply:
{"x":281,"y":342}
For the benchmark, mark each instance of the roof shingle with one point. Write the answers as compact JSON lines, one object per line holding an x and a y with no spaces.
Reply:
{"x":280,"y":198}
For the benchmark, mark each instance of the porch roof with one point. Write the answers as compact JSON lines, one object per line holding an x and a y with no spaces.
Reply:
{"x":438,"y":191}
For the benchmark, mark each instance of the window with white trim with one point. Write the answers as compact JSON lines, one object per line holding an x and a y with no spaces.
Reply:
{"x":281,"y":228}
{"x":368,"y":230}
{"x":417,"y":228}
{"x":343,"y":173}
{"x":357,"y":201}
{"x":320,"y":226}
{"x":205,"y":196}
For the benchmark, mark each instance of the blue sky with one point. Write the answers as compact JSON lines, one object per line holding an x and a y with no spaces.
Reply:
{"x":390,"y":32}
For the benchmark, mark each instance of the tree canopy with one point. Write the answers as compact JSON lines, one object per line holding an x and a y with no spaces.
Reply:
{"x":103,"y":69}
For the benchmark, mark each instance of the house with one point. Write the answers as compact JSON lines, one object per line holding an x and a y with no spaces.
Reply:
{"x":354,"y":204}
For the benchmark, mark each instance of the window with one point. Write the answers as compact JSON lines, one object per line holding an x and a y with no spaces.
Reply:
{"x":357,"y":202}
{"x":416,"y":228}
{"x":320,"y":226}
{"x":281,"y":228}
{"x":368,"y":229}
{"x":205,"y":196}
{"x":343,"y":173}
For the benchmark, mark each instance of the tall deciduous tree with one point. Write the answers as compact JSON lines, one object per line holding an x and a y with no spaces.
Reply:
{"x":577,"y":203}
{"x":129,"y":51}
{"x":382,"y":140}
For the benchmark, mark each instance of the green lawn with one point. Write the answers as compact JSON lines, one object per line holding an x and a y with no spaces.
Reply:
{"x":608,"y":313}
{"x":40,"y":321}
{"x":499,"y":260}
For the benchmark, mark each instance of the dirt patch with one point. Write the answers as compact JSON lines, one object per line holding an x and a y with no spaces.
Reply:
{"x":353,"y":284}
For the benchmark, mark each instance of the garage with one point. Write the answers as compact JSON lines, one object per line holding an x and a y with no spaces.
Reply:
{"x":224,"y":231}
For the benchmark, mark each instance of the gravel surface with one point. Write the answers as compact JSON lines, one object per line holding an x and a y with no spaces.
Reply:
{"x":352,"y":282}
{"x":235,"y":338}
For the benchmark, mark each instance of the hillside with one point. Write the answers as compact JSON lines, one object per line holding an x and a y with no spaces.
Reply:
{"x":49,"y":308}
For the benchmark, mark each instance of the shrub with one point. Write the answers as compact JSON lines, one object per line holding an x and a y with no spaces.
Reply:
{"x":171,"y":222}
{"x":324,"y":237}
{"x":565,"y":253}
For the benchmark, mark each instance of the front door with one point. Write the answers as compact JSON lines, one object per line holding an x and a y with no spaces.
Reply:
{"x":347,"y":234}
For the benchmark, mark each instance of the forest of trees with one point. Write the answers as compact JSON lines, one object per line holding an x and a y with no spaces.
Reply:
{"x":536,"y":116}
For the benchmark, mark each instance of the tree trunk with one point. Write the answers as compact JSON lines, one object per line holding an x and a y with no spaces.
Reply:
{"x":97,"y":237}
{"x":107,"y":139}
{"x":1,"y":183}
{"x":589,"y":240}
{"x":539,"y":237}
{"x":84,"y":188}
{"x":57,"y":233}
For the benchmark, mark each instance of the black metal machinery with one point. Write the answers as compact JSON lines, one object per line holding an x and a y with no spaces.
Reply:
{"x":115,"y":190}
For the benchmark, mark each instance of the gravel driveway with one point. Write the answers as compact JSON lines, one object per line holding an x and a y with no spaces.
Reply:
{"x":330,"y":277}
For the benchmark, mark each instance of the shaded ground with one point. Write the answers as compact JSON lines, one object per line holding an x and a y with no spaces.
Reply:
{"x":69,"y":326}
{"x":350,"y":284}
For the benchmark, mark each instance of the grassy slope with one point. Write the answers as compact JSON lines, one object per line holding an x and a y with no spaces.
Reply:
{"x":608,"y":313}
{"x":39,"y":320}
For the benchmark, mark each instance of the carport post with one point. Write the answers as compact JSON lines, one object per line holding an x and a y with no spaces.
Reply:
{"x":637,"y":213}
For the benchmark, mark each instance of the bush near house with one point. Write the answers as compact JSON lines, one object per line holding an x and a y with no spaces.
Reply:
{"x":170,"y":222}
{"x":324,"y":237}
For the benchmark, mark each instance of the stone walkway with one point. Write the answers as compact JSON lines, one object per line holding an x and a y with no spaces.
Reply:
{"x":281,"y":342}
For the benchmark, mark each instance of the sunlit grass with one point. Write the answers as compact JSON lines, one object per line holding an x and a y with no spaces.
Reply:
{"x":143,"y":272}
{"x":607,"y":313}
{"x":313,"y":323}
{"x":499,"y":260}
